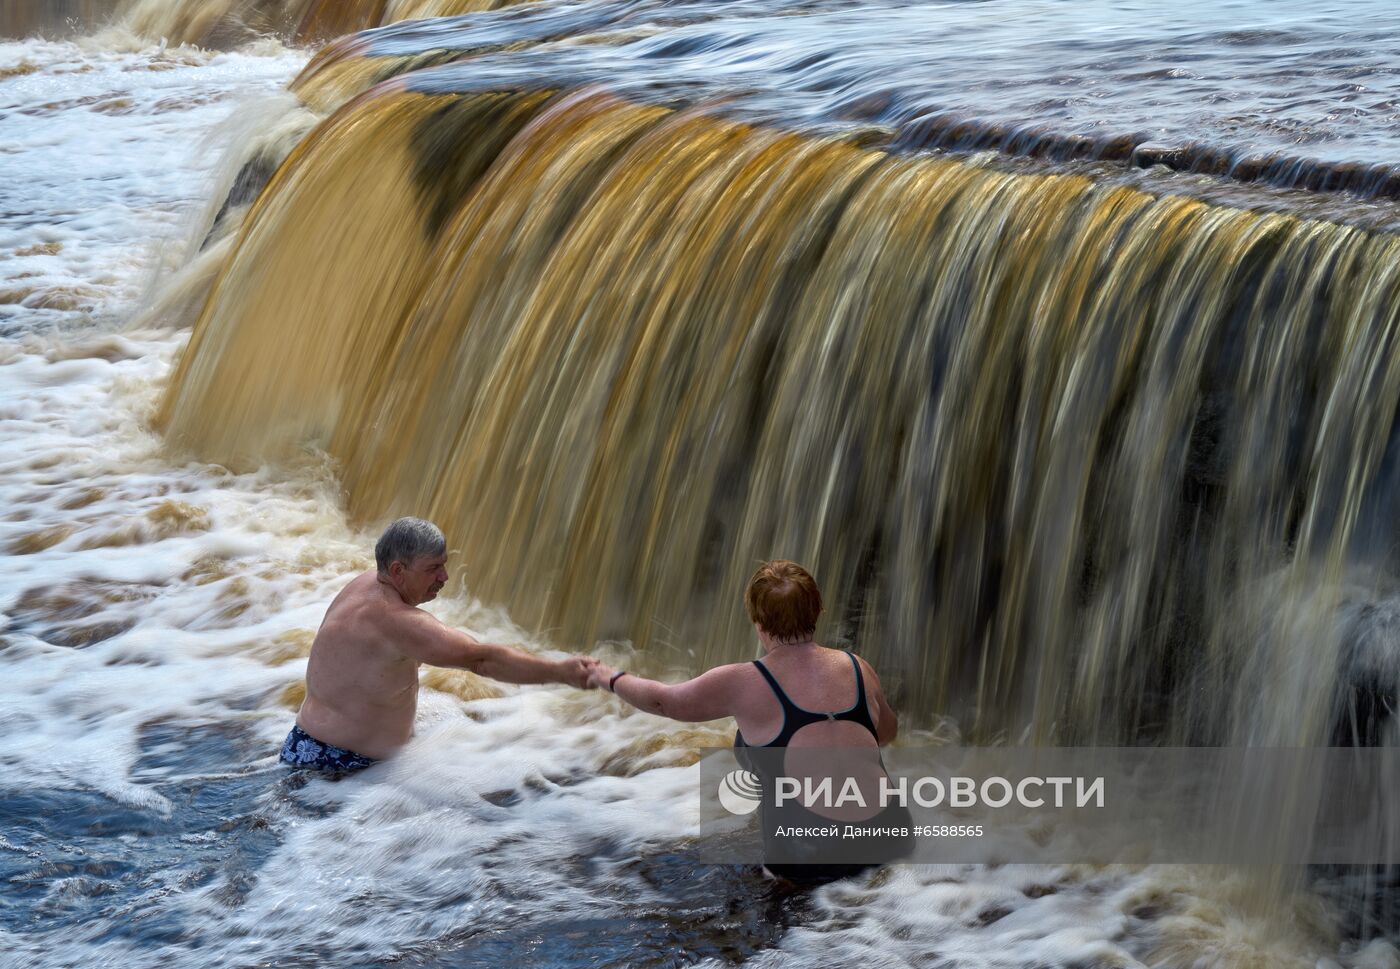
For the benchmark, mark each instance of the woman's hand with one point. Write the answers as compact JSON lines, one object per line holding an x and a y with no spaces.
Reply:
{"x":576,"y":671}
{"x":600,"y":675}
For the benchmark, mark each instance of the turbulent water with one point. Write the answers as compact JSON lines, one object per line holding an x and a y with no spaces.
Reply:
{"x":1132,"y":435}
{"x":635,"y":294}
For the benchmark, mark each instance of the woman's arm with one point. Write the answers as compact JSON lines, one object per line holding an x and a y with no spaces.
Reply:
{"x":886,"y":721}
{"x":708,"y":696}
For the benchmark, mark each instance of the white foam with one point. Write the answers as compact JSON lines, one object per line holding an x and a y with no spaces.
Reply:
{"x":95,"y":138}
{"x":418,"y":847}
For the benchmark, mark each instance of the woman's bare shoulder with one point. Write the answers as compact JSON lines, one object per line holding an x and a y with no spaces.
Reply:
{"x":867,"y":668}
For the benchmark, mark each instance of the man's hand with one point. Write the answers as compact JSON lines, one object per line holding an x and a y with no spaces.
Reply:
{"x":600,"y":676}
{"x":577,"y":671}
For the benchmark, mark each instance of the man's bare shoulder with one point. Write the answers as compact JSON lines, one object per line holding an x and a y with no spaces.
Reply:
{"x":356,"y":589}
{"x":371,"y":606}
{"x":367,"y":597}
{"x":362,"y":611}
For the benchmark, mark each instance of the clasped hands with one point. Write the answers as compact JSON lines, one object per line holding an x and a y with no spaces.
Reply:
{"x":585,"y":672}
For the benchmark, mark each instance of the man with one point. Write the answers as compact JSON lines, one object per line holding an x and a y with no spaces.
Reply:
{"x":362,"y":676}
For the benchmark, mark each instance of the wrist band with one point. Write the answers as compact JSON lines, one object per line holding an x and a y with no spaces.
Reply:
{"x":612,"y":683}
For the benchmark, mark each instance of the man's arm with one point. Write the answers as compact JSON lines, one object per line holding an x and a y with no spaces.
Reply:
{"x":427,"y":640}
{"x":708,"y":696}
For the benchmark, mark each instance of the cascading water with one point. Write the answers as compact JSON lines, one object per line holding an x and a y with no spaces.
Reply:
{"x":1046,"y":440}
{"x":225,"y":23}
{"x":1089,"y":439}
{"x":25,"y":19}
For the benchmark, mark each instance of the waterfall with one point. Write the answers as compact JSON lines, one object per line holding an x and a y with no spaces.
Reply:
{"x":226,"y":23}
{"x":1059,"y":451}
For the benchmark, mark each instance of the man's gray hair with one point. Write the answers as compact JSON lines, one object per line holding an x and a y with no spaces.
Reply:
{"x":408,"y":539}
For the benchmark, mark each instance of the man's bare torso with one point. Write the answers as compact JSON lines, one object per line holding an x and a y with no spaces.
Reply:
{"x":361,"y":690}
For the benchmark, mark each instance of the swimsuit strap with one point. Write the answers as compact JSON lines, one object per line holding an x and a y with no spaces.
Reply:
{"x":790,"y":709}
{"x":860,"y":679}
{"x":795,"y":717}
{"x":860,"y":713}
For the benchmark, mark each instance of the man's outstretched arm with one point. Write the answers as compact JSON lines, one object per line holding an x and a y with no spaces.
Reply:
{"x":427,"y":640}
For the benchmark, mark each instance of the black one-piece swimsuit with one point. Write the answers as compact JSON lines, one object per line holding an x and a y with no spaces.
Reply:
{"x":794,"y":719}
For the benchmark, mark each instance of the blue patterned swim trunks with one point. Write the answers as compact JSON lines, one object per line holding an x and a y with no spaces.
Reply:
{"x":300,"y":749}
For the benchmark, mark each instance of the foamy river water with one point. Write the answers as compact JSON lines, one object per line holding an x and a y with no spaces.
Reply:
{"x":157,"y":613}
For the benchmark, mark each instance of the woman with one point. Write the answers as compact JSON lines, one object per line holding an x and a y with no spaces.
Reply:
{"x":799,"y":695}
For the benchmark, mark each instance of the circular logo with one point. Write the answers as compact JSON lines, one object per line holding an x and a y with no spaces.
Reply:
{"x":740,"y":792}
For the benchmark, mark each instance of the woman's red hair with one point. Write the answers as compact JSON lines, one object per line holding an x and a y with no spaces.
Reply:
{"x":783,"y":599}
